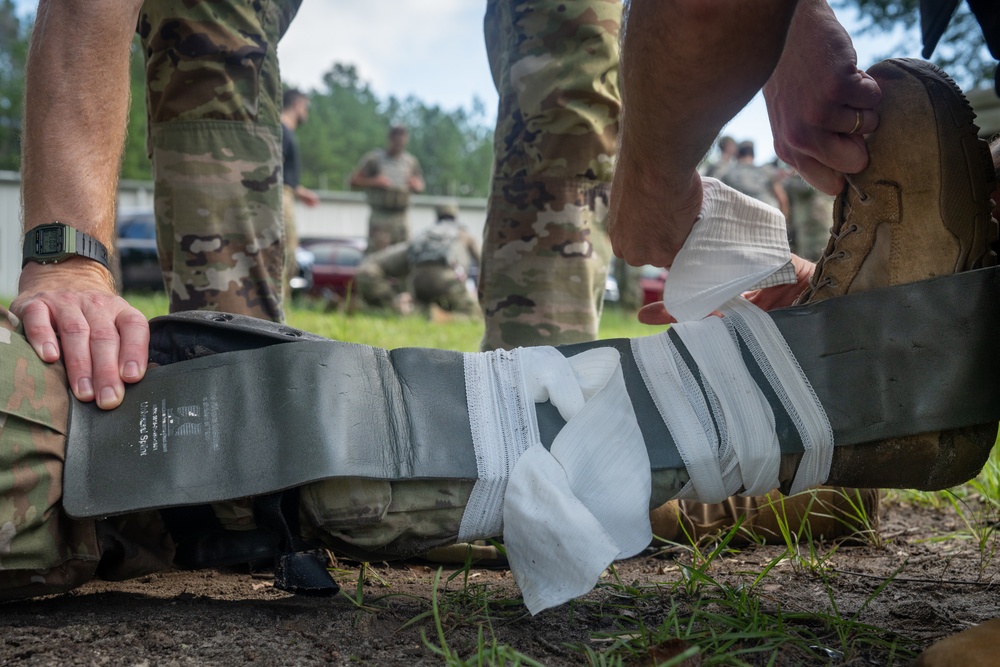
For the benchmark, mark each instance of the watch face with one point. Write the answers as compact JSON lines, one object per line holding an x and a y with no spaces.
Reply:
{"x":49,"y":242}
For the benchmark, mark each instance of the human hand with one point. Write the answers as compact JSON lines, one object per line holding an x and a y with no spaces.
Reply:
{"x":105,"y":341}
{"x":416,"y":184}
{"x":307,"y":196}
{"x":782,"y":296}
{"x":769,"y":298}
{"x":819,"y":103}
{"x":649,"y":221}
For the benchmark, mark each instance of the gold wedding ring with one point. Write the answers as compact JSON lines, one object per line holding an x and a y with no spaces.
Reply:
{"x":860,"y":117}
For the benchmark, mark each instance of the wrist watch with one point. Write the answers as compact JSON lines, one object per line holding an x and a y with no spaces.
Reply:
{"x":55,"y":242}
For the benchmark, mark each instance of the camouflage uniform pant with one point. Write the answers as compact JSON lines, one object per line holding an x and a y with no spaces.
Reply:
{"x":382,"y":275}
{"x":291,"y":240}
{"x":545,"y":251}
{"x":442,"y":286}
{"x":387,"y":227}
{"x":213,"y":101}
{"x":42,"y":551}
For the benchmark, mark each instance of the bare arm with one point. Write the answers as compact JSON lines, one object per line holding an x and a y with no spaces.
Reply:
{"x":306,"y":196}
{"x":687,"y":67}
{"x":367,"y":175}
{"x":781,"y":196}
{"x":76,"y":105}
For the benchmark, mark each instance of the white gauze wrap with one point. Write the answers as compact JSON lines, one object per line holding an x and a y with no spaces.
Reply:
{"x":737,"y":244}
{"x":567,"y":512}
{"x":721,"y":421}
{"x":735,"y":449}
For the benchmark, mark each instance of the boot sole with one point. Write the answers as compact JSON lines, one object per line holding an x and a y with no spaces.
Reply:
{"x":964,"y":203}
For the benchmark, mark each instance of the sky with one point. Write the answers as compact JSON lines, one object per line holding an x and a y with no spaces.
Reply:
{"x":433,"y":49}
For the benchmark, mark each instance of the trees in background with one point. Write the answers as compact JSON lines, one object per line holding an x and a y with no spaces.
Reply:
{"x":961,"y":52}
{"x":454,"y":147}
{"x":347,"y":119}
{"x":13,"y":53}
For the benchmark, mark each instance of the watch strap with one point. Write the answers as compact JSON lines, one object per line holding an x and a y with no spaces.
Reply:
{"x":88,"y":246}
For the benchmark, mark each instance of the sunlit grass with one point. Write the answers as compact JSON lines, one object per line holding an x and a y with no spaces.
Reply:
{"x":391,"y":331}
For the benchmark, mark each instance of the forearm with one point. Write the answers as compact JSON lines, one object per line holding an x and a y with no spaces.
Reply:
{"x":687,"y":68}
{"x":361,"y":181}
{"x":76,"y":106}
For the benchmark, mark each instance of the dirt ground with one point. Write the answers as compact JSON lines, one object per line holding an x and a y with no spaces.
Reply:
{"x":227,"y":618}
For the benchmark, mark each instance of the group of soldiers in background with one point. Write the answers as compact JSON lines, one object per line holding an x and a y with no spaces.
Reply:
{"x":432,"y":272}
{"x":808,"y":212}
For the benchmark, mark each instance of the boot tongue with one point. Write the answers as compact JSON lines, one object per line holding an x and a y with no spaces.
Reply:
{"x":737,"y":244}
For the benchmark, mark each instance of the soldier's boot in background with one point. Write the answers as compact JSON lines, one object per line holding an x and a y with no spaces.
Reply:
{"x":825,"y":513}
{"x":920,"y":209}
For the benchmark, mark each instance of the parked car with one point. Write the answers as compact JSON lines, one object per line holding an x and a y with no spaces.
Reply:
{"x":611,"y":292}
{"x":651,"y":280}
{"x":335,"y":262}
{"x":136,"y":266}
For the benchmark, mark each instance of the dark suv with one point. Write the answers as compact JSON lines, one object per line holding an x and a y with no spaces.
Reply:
{"x":136,"y":263}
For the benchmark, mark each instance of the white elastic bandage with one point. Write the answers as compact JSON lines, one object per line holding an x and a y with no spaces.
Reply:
{"x":744,"y":454}
{"x":504,"y":425}
{"x":773,"y":355}
{"x":737,"y":244}
{"x":568,"y":511}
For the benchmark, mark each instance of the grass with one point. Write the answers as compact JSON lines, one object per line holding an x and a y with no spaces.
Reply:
{"x":731,"y":620}
{"x":391,"y":331}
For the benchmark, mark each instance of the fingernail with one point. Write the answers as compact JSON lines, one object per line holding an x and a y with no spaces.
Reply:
{"x":131,"y":370}
{"x":84,"y":389}
{"x":108,"y":397}
{"x":50,"y":351}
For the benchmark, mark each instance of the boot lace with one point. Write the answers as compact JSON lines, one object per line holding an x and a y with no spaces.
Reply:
{"x":833,"y":250}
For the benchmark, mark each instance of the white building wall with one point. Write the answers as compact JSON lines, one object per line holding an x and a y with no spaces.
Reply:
{"x":339,"y":214}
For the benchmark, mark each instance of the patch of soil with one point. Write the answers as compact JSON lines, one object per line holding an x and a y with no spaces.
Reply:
{"x":226,"y":618}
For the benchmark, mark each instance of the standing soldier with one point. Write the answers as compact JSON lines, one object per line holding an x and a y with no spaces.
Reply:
{"x":389,"y":175}
{"x":294,"y":112}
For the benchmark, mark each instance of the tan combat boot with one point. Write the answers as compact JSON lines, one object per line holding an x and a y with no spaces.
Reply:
{"x":920,"y":209}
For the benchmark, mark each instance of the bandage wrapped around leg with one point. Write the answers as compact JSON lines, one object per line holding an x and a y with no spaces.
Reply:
{"x":552,"y":445}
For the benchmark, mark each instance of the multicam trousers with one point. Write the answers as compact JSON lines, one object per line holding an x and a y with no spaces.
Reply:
{"x":546,"y":252}
{"x":213,"y":100}
{"x":42,"y":551}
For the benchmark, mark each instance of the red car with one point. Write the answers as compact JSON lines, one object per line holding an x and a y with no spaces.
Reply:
{"x":334,"y":263}
{"x":651,"y":279}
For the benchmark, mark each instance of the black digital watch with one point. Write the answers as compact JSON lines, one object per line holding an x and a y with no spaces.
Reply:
{"x":55,"y":242}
